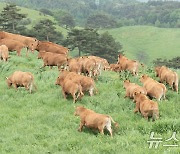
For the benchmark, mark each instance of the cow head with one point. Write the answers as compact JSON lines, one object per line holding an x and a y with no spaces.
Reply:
{"x":157,"y":70}
{"x":78,"y":110}
{"x":126,"y":83}
{"x":143,"y":78}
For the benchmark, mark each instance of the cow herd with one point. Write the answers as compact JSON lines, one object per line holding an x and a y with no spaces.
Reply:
{"x":77,"y":77}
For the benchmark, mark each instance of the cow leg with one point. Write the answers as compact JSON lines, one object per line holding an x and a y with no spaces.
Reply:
{"x":44,"y":65}
{"x":81,"y":126}
{"x":15,"y":86}
{"x":109,"y":129}
{"x":101,"y":130}
{"x":91,"y":91}
{"x":19,"y":52}
{"x":74,"y":97}
{"x":64,"y":94}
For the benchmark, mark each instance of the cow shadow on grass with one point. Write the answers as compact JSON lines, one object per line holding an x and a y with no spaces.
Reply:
{"x":95,"y":132}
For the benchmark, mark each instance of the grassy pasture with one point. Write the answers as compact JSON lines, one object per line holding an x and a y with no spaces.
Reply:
{"x":152,"y":41}
{"x":43,"y":122}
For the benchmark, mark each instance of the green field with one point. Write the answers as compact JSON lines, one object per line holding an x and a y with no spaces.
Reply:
{"x":155,"y":42}
{"x":43,"y":122}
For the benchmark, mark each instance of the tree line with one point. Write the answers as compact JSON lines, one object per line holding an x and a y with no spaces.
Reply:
{"x":87,"y":40}
{"x":109,"y":13}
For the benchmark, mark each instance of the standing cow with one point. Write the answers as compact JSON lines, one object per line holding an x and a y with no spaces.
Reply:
{"x":13,"y":45}
{"x":30,"y":42}
{"x":21,"y":79}
{"x":169,"y":76}
{"x":94,"y":120}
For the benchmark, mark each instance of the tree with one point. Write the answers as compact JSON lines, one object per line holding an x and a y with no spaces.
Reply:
{"x":45,"y":30}
{"x":89,"y":41}
{"x":68,"y":21}
{"x":100,"y":21}
{"x":10,"y":19}
{"x":46,"y":12}
{"x":172,"y":63}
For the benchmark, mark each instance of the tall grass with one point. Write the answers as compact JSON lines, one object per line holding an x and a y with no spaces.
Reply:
{"x":43,"y":122}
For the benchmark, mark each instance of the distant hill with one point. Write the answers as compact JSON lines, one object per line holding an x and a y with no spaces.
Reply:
{"x":150,"y":42}
{"x":35,"y":16}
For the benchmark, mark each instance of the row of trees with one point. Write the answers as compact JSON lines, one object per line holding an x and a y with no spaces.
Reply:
{"x":87,"y":41}
{"x":111,"y":13}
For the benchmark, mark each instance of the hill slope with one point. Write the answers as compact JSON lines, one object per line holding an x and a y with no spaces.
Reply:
{"x":35,"y":16}
{"x":155,"y":42}
{"x":43,"y":122}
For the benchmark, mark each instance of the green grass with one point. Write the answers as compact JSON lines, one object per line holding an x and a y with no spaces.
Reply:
{"x":43,"y":122}
{"x":156,"y":42}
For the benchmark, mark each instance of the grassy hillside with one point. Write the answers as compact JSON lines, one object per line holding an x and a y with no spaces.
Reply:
{"x":43,"y":122}
{"x":156,"y":42}
{"x":35,"y":16}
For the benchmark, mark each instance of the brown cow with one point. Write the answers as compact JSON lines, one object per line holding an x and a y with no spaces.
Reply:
{"x":131,"y":88}
{"x":86,"y":83}
{"x":51,"y":47}
{"x":169,"y":76}
{"x":101,"y":63}
{"x":153,"y":88}
{"x":29,"y":42}
{"x":13,"y":45}
{"x":146,"y":107}
{"x":94,"y":120}
{"x":115,"y":67}
{"x":73,"y":65}
{"x":4,"y":52}
{"x":70,"y":87}
{"x":53,"y":59}
{"x":127,"y":64}
{"x":21,"y":79}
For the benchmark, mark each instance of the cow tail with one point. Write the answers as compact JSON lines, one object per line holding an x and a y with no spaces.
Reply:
{"x":175,"y":84}
{"x":115,"y":123}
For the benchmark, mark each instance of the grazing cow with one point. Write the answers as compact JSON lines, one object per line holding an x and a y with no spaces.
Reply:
{"x":86,"y":83}
{"x":53,"y":59}
{"x":21,"y":79}
{"x":4,"y":52}
{"x":115,"y":67}
{"x":169,"y":76}
{"x":153,"y":88}
{"x":101,"y":63}
{"x":13,"y":45}
{"x":70,"y":87}
{"x":73,"y":66}
{"x":146,"y":107}
{"x":94,"y":120}
{"x":127,"y":64}
{"x":29,"y":42}
{"x":89,"y":67}
{"x":51,"y":47}
{"x":131,"y":88}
